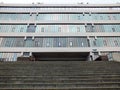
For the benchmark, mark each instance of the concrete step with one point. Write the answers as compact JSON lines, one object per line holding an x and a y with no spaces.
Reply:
{"x":59,"y":75}
{"x":61,"y":81}
{"x":58,"y":85}
{"x":74,"y":88}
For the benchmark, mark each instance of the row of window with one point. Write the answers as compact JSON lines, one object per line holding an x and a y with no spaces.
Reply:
{"x":44,"y":42}
{"x":112,"y":55}
{"x":60,"y":42}
{"x":9,"y":56}
{"x":59,"y":17}
{"x":59,"y":28}
{"x":105,"y":42}
{"x":37,"y":9}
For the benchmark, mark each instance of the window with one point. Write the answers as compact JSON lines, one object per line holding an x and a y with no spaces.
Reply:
{"x":113,"y":29}
{"x":13,"y":29}
{"x":105,"y":43}
{"x":48,"y":44}
{"x":78,"y":29}
{"x":95,"y":17}
{"x":114,"y":17}
{"x":28,"y":42}
{"x":109,"y":18}
{"x":36,"y":43}
{"x":59,"y":29}
{"x":42,"y":29}
{"x":30,"y":14}
{"x":7,"y":44}
{"x":21,"y":29}
{"x":89,"y":28}
{"x":116,"y":43}
{"x":26,"y":54}
{"x":31,"y":28}
{"x":82,"y":44}
{"x":101,"y":17}
{"x":71,"y":43}
{"x":94,"y":42}
{"x":78,"y":17}
{"x":59,"y":44}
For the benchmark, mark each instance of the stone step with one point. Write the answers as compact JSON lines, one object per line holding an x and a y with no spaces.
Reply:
{"x":112,"y":77}
{"x":58,"y":85}
{"x":59,"y":75}
{"x":73,"y":88}
{"x":61,"y":81}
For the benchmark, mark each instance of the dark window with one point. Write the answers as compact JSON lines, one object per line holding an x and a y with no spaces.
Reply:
{"x":30,"y":14}
{"x":89,"y":28}
{"x":26,"y":54}
{"x":94,"y":42}
{"x":31,"y":28}
{"x":113,"y":29}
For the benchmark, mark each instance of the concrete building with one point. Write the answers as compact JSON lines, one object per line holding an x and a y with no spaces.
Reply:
{"x":59,"y":32}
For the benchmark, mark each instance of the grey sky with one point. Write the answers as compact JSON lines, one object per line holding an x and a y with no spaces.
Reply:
{"x":61,"y":1}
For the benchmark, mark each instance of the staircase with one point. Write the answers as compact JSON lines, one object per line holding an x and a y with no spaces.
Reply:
{"x":60,"y":75}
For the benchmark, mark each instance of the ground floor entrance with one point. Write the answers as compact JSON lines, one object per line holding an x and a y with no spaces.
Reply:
{"x":61,"y":56}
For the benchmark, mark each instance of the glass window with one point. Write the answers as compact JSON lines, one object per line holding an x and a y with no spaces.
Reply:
{"x":21,"y":29}
{"x":36,"y":43}
{"x":113,"y":29}
{"x":48,"y":44}
{"x":78,"y":17}
{"x":42,"y":29}
{"x":59,"y":44}
{"x":82,"y":44}
{"x":71,"y":43}
{"x":13,"y":29}
{"x":26,"y":54}
{"x":114,"y":17}
{"x":101,"y":17}
{"x":94,"y":42}
{"x":116,"y":43}
{"x":7,"y":43}
{"x":59,"y":29}
{"x":78,"y":29}
{"x":31,"y":28}
{"x":105,"y":43}
{"x":109,"y":18}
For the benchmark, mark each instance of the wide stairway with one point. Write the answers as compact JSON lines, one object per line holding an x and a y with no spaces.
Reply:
{"x":60,"y":75}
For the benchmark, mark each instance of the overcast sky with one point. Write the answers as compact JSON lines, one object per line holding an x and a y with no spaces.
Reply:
{"x":60,"y":1}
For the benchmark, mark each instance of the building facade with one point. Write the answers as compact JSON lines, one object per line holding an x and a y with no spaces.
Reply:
{"x":80,"y":30}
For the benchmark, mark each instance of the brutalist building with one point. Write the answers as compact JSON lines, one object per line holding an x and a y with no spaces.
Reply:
{"x":59,"y":31}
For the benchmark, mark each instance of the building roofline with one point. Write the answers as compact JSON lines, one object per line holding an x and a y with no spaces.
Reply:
{"x":61,"y":5}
